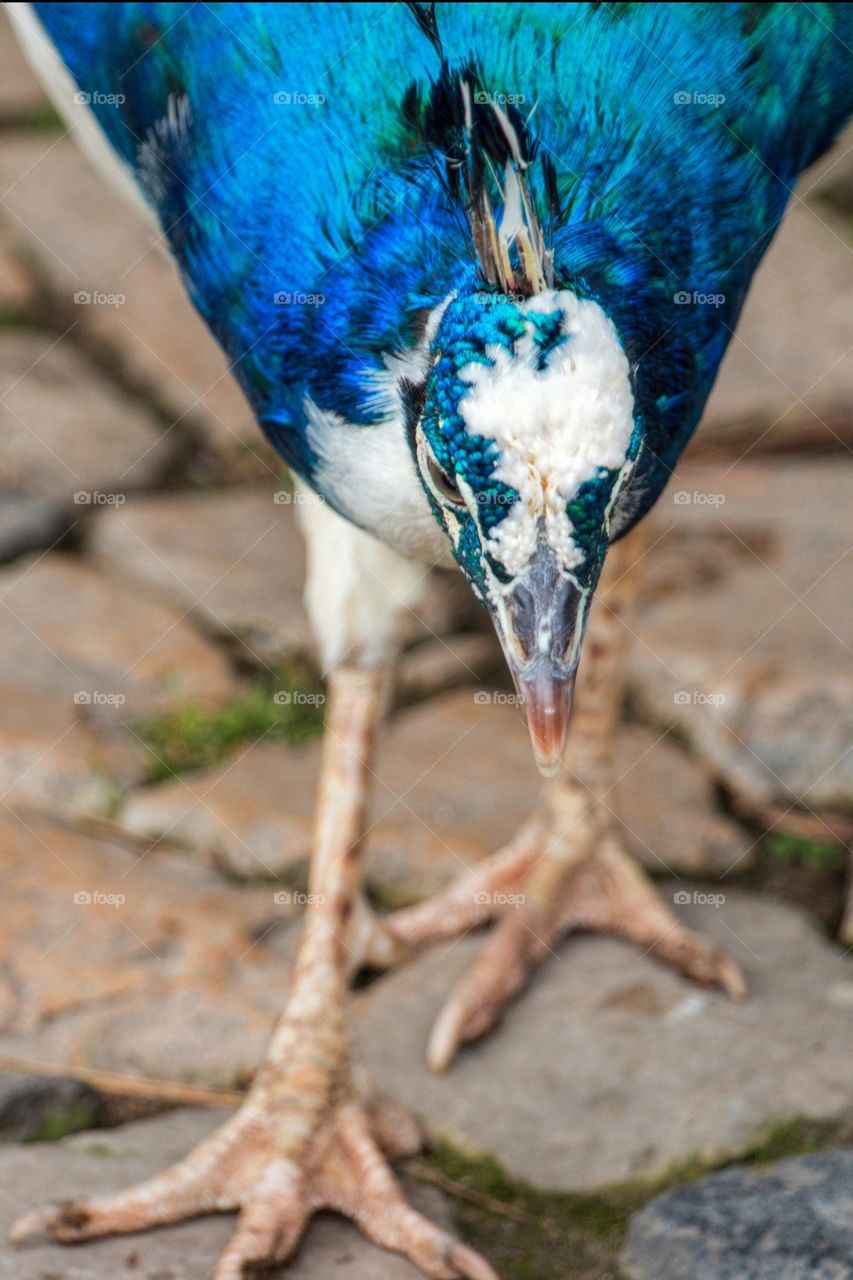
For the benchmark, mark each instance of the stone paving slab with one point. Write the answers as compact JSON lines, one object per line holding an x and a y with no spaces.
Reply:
{"x":83,"y":652}
{"x":136,"y":961}
{"x":743,"y":639}
{"x":20,"y":91}
{"x":233,"y":559}
{"x":27,"y":524}
{"x":90,"y":244}
{"x":68,"y":434}
{"x":793,"y":1221}
{"x":103,"y":1161}
{"x":434,"y":806}
{"x":611,"y":1068}
{"x":796,"y":330}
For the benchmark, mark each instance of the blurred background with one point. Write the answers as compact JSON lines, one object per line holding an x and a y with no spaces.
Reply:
{"x":160,"y":710}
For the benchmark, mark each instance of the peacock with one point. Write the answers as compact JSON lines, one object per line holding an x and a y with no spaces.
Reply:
{"x":475,"y":267}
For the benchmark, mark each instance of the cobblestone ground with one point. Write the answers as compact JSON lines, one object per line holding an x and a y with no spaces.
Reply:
{"x":159,"y":728}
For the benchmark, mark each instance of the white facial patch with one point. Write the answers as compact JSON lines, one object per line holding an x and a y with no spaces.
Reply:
{"x":554,"y":427}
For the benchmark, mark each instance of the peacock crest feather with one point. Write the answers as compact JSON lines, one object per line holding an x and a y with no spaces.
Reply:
{"x":482,"y":150}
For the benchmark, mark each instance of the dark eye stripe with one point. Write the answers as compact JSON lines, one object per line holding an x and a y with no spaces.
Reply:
{"x":444,"y":483}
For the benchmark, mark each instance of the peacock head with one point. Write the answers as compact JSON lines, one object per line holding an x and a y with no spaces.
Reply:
{"x":525,"y":440}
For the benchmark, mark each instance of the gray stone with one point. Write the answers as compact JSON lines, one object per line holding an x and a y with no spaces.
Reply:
{"x":791,"y":1222}
{"x":107,"y":1160}
{"x":434,"y":806}
{"x":20,"y":91}
{"x":82,"y":653}
{"x":16,"y":284}
{"x":67,"y":434}
{"x":665,"y":807}
{"x":89,"y":243}
{"x":233,"y":559}
{"x":27,"y":524}
{"x":44,"y":1107}
{"x":789,"y":359}
{"x":744,"y":632}
{"x":611,"y":1067}
{"x":135,"y":960}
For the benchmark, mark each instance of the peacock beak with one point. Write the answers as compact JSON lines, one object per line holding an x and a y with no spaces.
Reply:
{"x":539,"y":621}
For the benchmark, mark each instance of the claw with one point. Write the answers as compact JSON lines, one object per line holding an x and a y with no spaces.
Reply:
{"x":468,"y":1263}
{"x":33,"y":1223}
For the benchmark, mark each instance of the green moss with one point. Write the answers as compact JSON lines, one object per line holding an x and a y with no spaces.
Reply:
{"x":12,"y":317}
{"x":809,"y":852}
{"x":530,"y":1234}
{"x":42,"y":118}
{"x":55,"y":1124}
{"x":192,"y":736}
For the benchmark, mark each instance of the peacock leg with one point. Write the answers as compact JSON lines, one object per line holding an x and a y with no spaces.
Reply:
{"x":303,"y":1140}
{"x":567,"y":869}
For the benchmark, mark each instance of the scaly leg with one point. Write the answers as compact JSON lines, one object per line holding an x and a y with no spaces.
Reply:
{"x":303,"y":1140}
{"x":567,"y":868}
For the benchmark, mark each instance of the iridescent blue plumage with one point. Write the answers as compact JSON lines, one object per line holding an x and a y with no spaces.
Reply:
{"x":676,"y":133}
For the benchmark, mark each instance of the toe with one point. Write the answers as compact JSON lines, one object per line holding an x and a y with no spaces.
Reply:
{"x":478,"y":1000}
{"x":267,"y":1233}
{"x":401,"y":1228}
{"x":174,"y":1194}
{"x":697,"y":958}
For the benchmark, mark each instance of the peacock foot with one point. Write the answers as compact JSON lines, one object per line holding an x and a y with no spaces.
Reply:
{"x":565,"y":871}
{"x":278,"y":1160}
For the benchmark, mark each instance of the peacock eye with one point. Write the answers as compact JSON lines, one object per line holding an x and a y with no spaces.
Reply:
{"x":444,"y":485}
